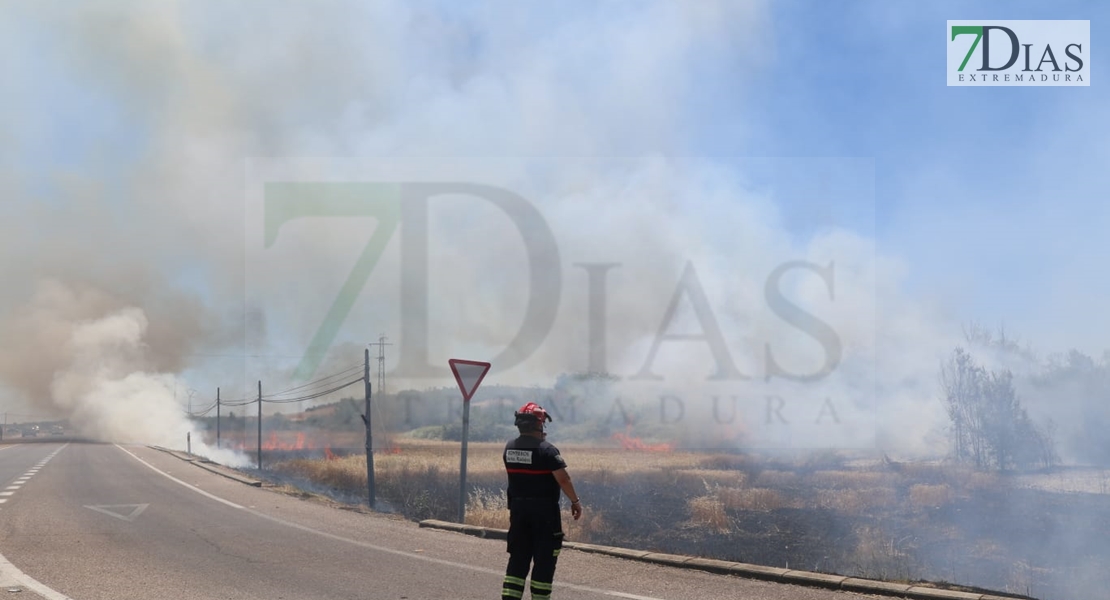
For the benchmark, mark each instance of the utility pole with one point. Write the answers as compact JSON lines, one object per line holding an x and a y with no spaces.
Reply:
{"x":381,"y":363}
{"x":381,"y":344}
{"x":369,"y":431}
{"x":259,"y":424}
{"x":217,"y":418}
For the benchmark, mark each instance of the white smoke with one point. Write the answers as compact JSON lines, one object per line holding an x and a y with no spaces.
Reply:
{"x":88,"y":360}
{"x":206,"y":90}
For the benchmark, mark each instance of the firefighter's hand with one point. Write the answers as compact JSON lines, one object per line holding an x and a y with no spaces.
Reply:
{"x":576,"y":510}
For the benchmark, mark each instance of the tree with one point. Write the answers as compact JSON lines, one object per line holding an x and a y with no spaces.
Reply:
{"x":961,"y":382}
{"x":990,"y":428}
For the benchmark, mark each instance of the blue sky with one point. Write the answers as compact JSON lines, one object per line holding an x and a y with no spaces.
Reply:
{"x":963,"y":184}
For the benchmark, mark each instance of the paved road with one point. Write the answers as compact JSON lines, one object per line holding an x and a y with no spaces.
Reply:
{"x":105,"y":522}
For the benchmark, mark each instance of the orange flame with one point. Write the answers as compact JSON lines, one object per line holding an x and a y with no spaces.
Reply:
{"x":273,"y":443}
{"x":633,"y":443}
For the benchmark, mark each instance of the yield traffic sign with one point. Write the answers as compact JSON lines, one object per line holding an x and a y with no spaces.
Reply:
{"x":469,"y":375}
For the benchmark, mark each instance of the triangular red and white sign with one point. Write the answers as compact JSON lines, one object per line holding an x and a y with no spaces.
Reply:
{"x":469,"y":375}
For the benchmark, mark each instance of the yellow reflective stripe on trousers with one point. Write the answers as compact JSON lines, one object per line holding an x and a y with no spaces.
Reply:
{"x":539,"y":585}
{"x":511,"y":593}
{"x":516,"y":580}
{"x":555,"y":552}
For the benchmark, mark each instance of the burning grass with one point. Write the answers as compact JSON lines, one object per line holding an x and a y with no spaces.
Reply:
{"x":899,"y":521}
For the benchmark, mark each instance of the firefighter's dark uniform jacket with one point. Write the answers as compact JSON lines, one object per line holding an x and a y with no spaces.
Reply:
{"x":530,"y":463}
{"x":535,"y":525}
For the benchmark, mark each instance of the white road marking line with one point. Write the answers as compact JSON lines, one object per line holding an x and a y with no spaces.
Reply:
{"x":188,"y":485}
{"x":24,"y":580}
{"x":17,"y":483}
{"x":387,"y":550}
{"x":136,"y":510}
{"x":30,"y":583}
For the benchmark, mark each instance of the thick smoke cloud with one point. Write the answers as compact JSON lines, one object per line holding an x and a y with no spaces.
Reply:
{"x":199,"y":94}
{"x":161,"y":212}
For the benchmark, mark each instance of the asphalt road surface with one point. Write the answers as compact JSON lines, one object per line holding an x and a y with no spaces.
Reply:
{"x":106,"y":522}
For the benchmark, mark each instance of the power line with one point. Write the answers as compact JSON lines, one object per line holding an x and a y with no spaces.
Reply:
{"x":202,"y":412}
{"x":310,"y":396}
{"x":307,"y":390}
{"x":315,"y":395}
{"x":242,"y":356}
{"x":323,"y":380}
{"x":240,"y":402}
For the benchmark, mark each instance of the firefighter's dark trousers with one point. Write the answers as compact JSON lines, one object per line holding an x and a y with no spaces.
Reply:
{"x":535,"y":539}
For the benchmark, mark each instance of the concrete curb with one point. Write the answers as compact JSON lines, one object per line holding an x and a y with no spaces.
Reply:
{"x":210,"y":466}
{"x":723,"y":567}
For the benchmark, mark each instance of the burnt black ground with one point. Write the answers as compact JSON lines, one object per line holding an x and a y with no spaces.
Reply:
{"x":1046,"y":544}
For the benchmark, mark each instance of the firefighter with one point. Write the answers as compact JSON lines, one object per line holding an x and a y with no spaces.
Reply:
{"x":536,"y":473}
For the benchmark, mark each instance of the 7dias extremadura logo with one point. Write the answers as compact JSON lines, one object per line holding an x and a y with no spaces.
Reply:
{"x":1030,"y":53}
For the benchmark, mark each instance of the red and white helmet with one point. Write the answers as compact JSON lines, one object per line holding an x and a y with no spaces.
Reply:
{"x":532,"y":414}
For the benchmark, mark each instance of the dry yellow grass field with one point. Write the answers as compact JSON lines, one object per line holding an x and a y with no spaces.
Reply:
{"x":853,"y":516}
{"x":419,"y":478}
{"x":894,"y":521}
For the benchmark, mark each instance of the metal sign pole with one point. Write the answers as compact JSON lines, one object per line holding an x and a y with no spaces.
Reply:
{"x":462,"y":465}
{"x":469,"y":375}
